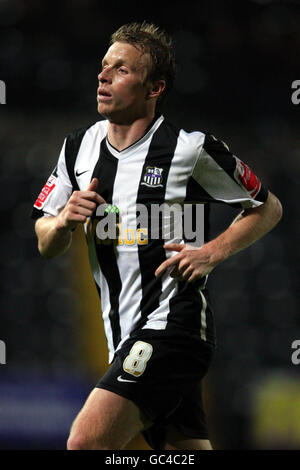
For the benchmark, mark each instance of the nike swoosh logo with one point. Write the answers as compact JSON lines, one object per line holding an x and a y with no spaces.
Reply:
{"x":119,"y":379}
{"x":81,"y":173}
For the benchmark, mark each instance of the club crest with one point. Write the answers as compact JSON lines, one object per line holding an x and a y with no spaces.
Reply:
{"x":153,"y":177}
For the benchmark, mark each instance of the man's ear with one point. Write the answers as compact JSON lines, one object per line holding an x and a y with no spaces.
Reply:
{"x":156,"y":89}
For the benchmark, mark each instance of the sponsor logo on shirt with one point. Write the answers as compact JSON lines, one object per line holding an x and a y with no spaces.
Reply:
{"x":248,"y":179}
{"x":44,"y":194}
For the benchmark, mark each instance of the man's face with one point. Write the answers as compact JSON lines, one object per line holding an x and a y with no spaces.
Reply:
{"x":123,"y":88}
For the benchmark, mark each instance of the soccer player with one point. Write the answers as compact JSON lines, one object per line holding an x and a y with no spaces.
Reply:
{"x":155,"y":307}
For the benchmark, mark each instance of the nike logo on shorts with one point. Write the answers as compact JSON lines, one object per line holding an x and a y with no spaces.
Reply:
{"x":119,"y":379}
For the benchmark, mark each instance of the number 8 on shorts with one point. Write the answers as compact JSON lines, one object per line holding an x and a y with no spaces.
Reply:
{"x":136,"y":361}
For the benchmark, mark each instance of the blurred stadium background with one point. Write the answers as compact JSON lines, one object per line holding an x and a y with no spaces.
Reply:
{"x":236,"y":64}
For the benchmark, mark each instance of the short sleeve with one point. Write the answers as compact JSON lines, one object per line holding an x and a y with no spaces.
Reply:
{"x":220,"y":176}
{"x":56,"y":191}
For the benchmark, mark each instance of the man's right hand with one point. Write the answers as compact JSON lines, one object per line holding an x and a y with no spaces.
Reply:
{"x":81,"y":205}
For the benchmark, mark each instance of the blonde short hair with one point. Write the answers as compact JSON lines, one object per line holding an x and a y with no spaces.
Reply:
{"x":155,"y":41}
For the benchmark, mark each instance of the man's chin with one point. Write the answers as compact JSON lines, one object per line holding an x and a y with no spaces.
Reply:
{"x":109,"y":114}
{"x":102,"y":110}
{"x":106,"y":112}
{"x":116,"y":116}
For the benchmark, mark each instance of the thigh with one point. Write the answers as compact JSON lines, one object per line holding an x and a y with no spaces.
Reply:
{"x":185,"y":428}
{"x":175,"y":440}
{"x":106,"y":421}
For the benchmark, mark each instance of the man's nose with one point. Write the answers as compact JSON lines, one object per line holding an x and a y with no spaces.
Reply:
{"x":104,"y":76}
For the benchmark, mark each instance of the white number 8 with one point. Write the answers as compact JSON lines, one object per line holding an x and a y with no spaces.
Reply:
{"x":136,"y":361}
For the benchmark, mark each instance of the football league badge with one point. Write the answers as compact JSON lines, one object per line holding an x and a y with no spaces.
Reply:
{"x":153,"y":177}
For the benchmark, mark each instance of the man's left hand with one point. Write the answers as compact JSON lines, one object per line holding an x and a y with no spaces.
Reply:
{"x":189,"y":264}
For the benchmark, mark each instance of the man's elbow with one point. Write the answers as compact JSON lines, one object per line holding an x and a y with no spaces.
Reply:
{"x":44,"y":252}
{"x":50,"y":251}
{"x":272,"y":210}
{"x":279,"y":210}
{"x":276,"y":208}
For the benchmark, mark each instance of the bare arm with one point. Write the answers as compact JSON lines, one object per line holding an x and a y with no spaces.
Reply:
{"x":248,"y":227}
{"x":55,"y":233}
{"x":52,"y":241}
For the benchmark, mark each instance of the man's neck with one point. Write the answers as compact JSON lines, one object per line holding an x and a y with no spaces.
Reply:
{"x":122,"y":136}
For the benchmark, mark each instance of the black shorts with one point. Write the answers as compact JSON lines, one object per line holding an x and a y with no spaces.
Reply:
{"x":163,"y":378}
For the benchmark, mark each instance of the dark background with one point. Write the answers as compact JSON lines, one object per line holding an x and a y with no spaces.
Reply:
{"x":236,"y":64}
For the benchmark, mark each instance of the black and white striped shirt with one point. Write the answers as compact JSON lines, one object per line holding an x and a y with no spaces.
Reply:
{"x":166,"y":166}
